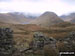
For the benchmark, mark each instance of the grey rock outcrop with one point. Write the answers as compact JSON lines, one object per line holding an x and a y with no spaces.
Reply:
{"x":6,"y":42}
{"x":70,"y":38}
{"x":40,"y":41}
{"x":69,"y":42}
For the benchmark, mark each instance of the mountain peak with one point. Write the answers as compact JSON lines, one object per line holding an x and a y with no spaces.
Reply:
{"x":47,"y":19}
{"x":49,"y":13}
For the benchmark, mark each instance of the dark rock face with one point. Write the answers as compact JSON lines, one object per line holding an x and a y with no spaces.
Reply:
{"x":40,"y":41}
{"x":6,"y":42}
{"x":69,"y":42}
{"x":38,"y":44}
{"x":70,"y":38}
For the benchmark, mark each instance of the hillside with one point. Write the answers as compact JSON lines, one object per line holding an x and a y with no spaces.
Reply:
{"x":26,"y":30}
{"x":47,"y":19}
{"x":23,"y":33}
{"x":69,"y":18}
{"x":73,"y":20}
{"x":14,"y":18}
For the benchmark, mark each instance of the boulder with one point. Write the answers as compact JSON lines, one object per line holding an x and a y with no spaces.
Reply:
{"x":40,"y":40}
{"x":6,"y":42}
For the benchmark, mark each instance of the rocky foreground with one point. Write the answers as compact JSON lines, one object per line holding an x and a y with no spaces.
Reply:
{"x":41,"y":45}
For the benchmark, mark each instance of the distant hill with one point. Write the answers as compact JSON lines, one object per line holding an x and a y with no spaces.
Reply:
{"x":73,"y":18}
{"x":47,"y":19}
{"x":70,"y":17}
{"x":73,"y":21}
{"x":15,"y":18}
{"x":65,"y":18}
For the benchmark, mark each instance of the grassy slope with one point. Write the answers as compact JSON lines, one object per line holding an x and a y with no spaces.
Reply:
{"x":23,"y":34}
{"x":26,"y":31}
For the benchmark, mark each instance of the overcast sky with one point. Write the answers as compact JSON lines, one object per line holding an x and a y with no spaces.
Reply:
{"x":38,"y":6}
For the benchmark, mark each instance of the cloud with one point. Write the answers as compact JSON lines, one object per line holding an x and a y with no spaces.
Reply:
{"x":5,"y":0}
{"x":34,"y":0}
{"x":37,"y":6}
{"x":71,"y":2}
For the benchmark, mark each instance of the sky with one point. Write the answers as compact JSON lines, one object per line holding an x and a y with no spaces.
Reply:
{"x":60,"y":7}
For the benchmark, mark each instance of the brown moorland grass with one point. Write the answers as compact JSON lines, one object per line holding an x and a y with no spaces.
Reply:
{"x":23,"y":34}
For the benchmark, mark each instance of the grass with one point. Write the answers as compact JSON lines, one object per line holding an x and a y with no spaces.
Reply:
{"x":23,"y":35}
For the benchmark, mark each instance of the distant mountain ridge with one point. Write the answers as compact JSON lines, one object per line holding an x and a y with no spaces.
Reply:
{"x":12,"y":18}
{"x":70,"y":17}
{"x":15,"y":18}
{"x":46,"y":19}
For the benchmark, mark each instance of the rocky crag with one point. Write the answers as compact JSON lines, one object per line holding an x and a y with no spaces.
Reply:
{"x":38,"y":44}
{"x":68,"y":42}
{"x":6,"y":42}
{"x":40,"y":40}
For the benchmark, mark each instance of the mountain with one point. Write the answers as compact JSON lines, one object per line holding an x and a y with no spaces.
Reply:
{"x":73,"y":21}
{"x":65,"y":18}
{"x":47,"y":19}
{"x":73,"y":18}
{"x":15,"y":18}
{"x":70,"y":17}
